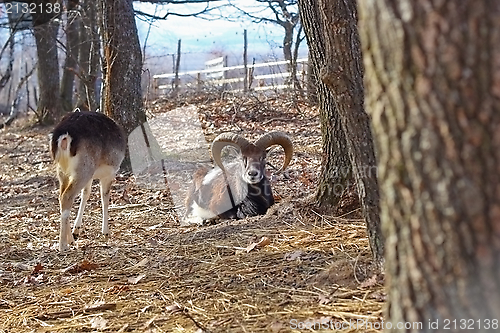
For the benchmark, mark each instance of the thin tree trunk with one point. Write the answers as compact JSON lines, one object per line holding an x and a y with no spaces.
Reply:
{"x":14,"y":105}
{"x":336,"y":167}
{"x":296,"y":82}
{"x":123,"y":65}
{"x":88,"y":57}
{"x":45,"y":30}
{"x":288,"y":41}
{"x":7,"y":75}
{"x":93,"y":92}
{"x":85,"y":38}
{"x":433,"y":89}
{"x":177,"y":67}
{"x":72,"y":43}
{"x":245,"y":61}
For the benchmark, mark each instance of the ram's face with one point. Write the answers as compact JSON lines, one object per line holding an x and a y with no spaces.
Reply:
{"x":254,"y":162}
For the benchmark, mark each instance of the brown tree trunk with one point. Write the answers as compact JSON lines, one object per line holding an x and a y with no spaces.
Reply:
{"x":123,"y":65}
{"x":288,"y":41}
{"x":295,"y":55}
{"x":7,"y":75}
{"x":72,"y":43}
{"x":433,"y":83}
{"x":88,"y":57}
{"x":340,"y":69}
{"x":45,"y":31}
{"x":343,"y":74}
{"x":336,"y":167}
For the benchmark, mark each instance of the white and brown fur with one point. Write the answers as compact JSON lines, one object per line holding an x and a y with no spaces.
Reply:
{"x":85,"y":146}
{"x":239,"y":189}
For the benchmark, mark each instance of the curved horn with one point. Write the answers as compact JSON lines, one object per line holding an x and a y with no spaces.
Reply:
{"x":223,"y":140}
{"x":277,"y":138}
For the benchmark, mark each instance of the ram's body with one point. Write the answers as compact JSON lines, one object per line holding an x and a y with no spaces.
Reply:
{"x":239,"y":189}
{"x":85,"y":146}
{"x":209,"y":196}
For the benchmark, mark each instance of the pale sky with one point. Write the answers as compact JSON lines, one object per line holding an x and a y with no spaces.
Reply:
{"x":200,"y":37}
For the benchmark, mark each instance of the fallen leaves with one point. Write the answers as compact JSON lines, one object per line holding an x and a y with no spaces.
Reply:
{"x":30,"y":279}
{"x":264,"y":241}
{"x":35,"y":277}
{"x":38,"y":268}
{"x":220,"y":277}
{"x":116,"y":289}
{"x":85,"y":265}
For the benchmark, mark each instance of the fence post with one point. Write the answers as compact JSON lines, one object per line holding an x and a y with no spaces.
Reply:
{"x":304,"y":73}
{"x":177,"y":65}
{"x":156,"y":93}
{"x":250,"y":75}
{"x":245,"y":65}
{"x":224,"y":75}
{"x":198,"y":82}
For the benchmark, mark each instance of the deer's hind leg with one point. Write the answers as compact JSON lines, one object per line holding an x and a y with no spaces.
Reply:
{"x":85,"y":194}
{"x":106,"y":183}
{"x":70,"y":187}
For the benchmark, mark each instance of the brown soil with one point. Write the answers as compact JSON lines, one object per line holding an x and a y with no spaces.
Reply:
{"x":152,"y":274}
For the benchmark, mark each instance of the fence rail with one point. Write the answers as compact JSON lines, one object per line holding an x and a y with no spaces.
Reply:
{"x":259,"y":77}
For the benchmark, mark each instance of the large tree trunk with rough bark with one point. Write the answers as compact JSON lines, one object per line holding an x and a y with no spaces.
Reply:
{"x":70,"y":65}
{"x":336,"y":167}
{"x":340,"y":69}
{"x":433,"y":89}
{"x":123,"y":64}
{"x":45,"y":31}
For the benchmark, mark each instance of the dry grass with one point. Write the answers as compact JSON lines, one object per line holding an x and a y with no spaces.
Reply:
{"x":151,"y":274}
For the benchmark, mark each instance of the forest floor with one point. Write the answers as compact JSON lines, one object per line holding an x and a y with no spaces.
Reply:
{"x":294,"y":269}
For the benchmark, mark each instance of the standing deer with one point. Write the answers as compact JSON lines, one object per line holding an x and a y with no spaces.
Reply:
{"x":85,"y":146}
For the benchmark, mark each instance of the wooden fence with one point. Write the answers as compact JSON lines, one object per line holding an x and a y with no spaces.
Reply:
{"x":258,"y":76}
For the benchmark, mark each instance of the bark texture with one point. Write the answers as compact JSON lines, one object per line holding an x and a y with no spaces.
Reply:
{"x":70,"y":65}
{"x":343,"y":74}
{"x":88,"y":57}
{"x":433,"y":89}
{"x":45,"y":31}
{"x":123,"y":65}
{"x":337,"y":61}
{"x":336,"y":167}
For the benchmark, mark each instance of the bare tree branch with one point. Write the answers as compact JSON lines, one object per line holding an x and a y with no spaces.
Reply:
{"x":176,"y":2}
{"x":148,"y":17}
{"x":208,"y":8}
{"x":14,"y":112}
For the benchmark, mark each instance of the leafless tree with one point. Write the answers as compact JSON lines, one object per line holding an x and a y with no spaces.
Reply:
{"x":45,"y":29}
{"x":284,"y":13}
{"x":89,"y":64}
{"x":71,"y":47}
{"x":205,"y":11}
{"x":122,"y":66}
{"x":6,"y":75}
